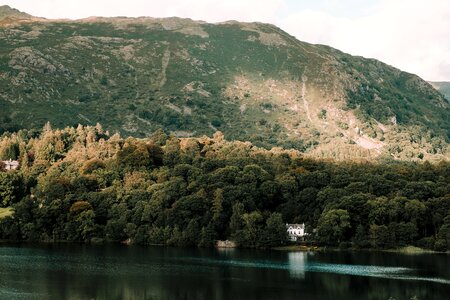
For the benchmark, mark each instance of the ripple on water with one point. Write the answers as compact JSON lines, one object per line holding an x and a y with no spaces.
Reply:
{"x":299,"y":267}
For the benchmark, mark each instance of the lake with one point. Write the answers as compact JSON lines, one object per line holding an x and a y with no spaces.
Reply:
{"x":130,"y":272}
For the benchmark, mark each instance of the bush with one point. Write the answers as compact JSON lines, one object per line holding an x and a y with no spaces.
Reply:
{"x":80,"y":206}
{"x":322,"y":114}
{"x":426,"y":242}
{"x":344,"y":245}
{"x":216,"y":122}
{"x":440,"y":245}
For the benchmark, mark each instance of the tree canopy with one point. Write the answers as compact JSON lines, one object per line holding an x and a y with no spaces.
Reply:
{"x":81,"y":184}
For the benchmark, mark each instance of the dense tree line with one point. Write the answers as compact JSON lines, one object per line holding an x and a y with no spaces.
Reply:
{"x":82,"y":184}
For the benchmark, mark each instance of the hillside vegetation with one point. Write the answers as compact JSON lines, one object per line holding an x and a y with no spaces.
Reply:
{"x":252,"y":81}
{"x":79,"y":184}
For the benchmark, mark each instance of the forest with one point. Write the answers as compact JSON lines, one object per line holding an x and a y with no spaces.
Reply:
{"x":85,"y":185}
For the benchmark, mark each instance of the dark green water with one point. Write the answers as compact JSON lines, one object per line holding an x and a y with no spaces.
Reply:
{"x":121,"y":272}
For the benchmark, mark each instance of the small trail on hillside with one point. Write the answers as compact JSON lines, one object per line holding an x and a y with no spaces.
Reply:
{"x":305,"y":101}
{"x":165,"y":63}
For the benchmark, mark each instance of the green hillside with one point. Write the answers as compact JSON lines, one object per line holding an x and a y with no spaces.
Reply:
{"x":251,"y":81}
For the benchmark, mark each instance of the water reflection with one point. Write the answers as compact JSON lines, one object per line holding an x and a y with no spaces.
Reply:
{"x":111,"y":272}
{"x":297,"y":261}
{"x":226,"y":252}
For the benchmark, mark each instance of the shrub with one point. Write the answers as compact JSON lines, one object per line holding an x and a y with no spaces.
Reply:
{"x":440,"y":245}
{"x":80,"y":206}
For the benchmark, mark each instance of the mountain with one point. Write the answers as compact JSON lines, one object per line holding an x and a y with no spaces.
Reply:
{"x":443,"y":87}
{"x":8,"y":12}
{"x":252,"y":81}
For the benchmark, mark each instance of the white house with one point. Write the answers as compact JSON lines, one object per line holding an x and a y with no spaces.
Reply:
{"x":11,"y":164}
{"x":296,"y":231}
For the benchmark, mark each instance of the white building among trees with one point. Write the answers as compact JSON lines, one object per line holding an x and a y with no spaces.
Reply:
{"x":10,"y":164}
{"x":296,"y":232}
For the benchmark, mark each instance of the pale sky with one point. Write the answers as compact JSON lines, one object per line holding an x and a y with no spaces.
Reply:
{"x":413,"y":35}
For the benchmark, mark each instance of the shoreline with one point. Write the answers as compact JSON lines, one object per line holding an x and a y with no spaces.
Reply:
{"x":407,"y":250}
{"x":299,"y":248}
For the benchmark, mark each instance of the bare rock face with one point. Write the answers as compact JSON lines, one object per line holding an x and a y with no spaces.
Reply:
{"x":226,"y":244}
{"x":251,"y":81}
{"x":25,"y":58}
